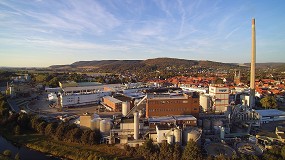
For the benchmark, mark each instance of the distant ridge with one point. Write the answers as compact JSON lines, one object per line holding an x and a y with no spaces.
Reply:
{"x":147,"y":65}
{"x":155,"y":61}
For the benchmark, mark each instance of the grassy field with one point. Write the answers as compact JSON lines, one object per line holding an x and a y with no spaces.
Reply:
{"x":65,"y":149}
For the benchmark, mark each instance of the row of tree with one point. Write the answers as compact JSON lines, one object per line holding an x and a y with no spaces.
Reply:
{"x":163,"y":151}
{"x":19,"y":123}
{"x":192,"y":151}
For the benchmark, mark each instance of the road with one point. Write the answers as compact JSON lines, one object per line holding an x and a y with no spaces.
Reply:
{"x":13,"y":105}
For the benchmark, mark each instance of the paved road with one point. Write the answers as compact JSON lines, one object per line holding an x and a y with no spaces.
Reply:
{"x":13,"y":105}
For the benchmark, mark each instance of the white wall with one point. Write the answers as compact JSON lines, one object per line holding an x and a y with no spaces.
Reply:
{"x":82,"y":99}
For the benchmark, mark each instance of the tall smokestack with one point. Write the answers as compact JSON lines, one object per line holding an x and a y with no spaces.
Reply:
{"x":252,"y":69}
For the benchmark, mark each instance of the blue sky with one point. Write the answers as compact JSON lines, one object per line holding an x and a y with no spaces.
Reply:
{"x":46,"y":32}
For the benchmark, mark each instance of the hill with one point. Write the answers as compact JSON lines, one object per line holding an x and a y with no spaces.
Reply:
{"x":144,"y":65}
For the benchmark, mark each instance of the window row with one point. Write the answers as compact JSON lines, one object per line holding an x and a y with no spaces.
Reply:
{"x":169,"y":109}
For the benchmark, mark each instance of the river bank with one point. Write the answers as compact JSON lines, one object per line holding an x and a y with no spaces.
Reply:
{"x":24,"y":152}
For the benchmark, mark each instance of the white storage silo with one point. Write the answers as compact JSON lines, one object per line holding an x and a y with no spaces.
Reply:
{"x":108,"y":126}
{"x":194,"y":134}
{"x":136,"y":125}
{"x":222,"y":133}
{"x":103,"y":126}
{"x":125,"y":108}
{"x":170,"y":139}
{"x":177,"y":135}
{"x":95,"y":123}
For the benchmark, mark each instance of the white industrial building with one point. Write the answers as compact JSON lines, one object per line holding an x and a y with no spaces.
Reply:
{"x":220,"y":95}
{"x":270,"y":115}
{"x":78,"y":94}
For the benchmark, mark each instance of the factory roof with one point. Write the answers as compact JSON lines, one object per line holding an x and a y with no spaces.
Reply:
{"x":184,"y":117}
{"x":270,"y":112}
{"x":112,"y":99}
{"x":89,"y":87}
{"x":79,"y":84}
{"x":161,"y":119}
{"x":171,"y":118}
{"x":165,"y":96}
{"x":164,"y":127}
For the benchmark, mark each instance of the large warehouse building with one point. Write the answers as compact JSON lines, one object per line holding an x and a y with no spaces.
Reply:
{"x":78,"y":94}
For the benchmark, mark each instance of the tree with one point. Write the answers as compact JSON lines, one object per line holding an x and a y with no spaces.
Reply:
{"x":166,"y":151}
{"x":53,"y":82}
{"x":75,"y":135}
{"x":41,"y":127}
{"x":177,"y":152}
{"x":85,"y":136}
{"x":50,"y":129}
{"x":147,"y":149}
{"x":7,"y":153}
{"x":35,"y":121}
{"x":269,"y":102}
{"x":4,"y":111}
{"x":94,"y":137}
{"x":41,"y":78}
{"x":59,"y":133}
{"x":23,"y":120}
{"x":192,"y":151}
{"x":219,"y":81}
{"x":283,"y":152}
{"x":17,"y":130}
{"x":17,"y":156}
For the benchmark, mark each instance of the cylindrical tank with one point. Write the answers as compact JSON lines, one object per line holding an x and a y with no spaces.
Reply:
{"x":136,"y":125}
{"x":103,"y":126}
{"x":200,"y":122}
{"x":194,"y":135}
{"x":170,"y":139}
{"x":177,"y":135}
{"x":206,"y":124}
{"x":140,"y":113}
{"x":222,"y":133}
{"x":205,"y":102}
{"x":125,"y":108}
{"x":217,"y":123}
{"x":95,"y":123}
{"x":108,"y":126}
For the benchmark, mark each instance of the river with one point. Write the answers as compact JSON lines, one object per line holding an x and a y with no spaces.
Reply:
{"x":25,"y":153}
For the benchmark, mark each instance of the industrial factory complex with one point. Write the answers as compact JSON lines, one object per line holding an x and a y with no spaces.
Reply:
{"x":221,"y":119}
{"x":218,"y":123}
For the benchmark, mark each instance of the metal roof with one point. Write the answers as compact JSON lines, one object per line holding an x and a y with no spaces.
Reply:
{"x":112,"y":99}
{"x":270,"y":112}
{"x":184,"y":117}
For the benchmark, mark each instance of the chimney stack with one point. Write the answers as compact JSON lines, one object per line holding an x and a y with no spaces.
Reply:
{"x":252,"y":68}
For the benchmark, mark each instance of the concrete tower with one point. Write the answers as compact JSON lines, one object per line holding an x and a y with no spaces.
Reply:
{"x":252,"y":68}
{"x":136,"y":125}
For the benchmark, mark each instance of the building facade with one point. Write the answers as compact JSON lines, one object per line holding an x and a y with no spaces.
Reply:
{"x":220,"y":96}
{"x":168,"y":105}
{"x":78,"y":94}
{"x":114,"y":103}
